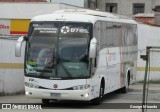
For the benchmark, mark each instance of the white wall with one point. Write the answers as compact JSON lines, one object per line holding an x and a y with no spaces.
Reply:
{"x":28,"y":10}
{"x":4,"y":26}
{"x":11,"y":79}
{"x":148,"y":36}
{"x":79,"y":3}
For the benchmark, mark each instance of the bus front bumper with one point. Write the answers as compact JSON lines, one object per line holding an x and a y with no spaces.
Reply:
{"x":82,"y":95}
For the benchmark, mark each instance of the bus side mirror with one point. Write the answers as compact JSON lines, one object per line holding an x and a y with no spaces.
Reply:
{"x":19,"y":45}
{"x":93,"y":48}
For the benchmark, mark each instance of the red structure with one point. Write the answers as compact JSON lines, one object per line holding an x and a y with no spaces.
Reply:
{"x":145,"y":18}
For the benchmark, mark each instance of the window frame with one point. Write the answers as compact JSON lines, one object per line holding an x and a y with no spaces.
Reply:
{"x":111,"y":4}
{"x":138,"y":5}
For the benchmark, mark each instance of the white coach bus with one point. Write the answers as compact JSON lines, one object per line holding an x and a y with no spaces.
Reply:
{"x":78,"y":54}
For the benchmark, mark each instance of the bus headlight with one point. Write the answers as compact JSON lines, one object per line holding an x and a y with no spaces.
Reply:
{"x":81,"y":87}
{"x":30,"y":85}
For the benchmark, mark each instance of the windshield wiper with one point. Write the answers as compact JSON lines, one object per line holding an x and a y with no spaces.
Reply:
{"x":65,"y":69}
{"x":49,"y":64}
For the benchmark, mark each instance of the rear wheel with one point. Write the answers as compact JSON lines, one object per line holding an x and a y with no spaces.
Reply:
{"x":99,"y":100}
{"x":126,"y":88}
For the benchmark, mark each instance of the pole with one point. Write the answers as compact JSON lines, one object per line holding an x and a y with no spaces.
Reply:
{"x":145,"y":78}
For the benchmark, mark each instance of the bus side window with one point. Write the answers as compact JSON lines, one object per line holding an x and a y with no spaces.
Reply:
{"x":109,"y":34}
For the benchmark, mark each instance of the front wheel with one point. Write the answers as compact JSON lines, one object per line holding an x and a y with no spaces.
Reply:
{"x":99,"y":100}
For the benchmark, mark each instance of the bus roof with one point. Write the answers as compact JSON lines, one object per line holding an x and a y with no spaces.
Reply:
{"x":82,"y":15}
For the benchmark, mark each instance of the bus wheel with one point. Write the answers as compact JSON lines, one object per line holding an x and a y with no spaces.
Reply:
{"x":99,"y":100}
{"x":45,"y":101}
{"x":126,"y":88}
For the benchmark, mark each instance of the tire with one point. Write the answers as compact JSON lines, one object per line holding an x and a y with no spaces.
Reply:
{"x":45,"y":101}
{"x":126,"y":88}
{"x":99,"y":100}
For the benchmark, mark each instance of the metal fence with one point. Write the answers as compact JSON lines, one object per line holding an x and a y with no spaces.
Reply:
{"x":151,"y":87}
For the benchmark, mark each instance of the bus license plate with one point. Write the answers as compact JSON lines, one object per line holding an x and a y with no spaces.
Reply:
{"x":55,"y":94}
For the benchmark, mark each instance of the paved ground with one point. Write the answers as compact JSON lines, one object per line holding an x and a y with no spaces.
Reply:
{"x":133,"y":96}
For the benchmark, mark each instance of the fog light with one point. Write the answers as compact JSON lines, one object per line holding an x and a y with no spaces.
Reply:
{"x":27,"y":93}
{"x":86,"y":95}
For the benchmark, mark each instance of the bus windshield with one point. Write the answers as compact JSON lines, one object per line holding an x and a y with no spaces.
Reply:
{"x":58,"y":50}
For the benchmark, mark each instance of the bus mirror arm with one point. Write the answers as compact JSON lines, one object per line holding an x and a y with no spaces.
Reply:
{"x":93,"y":48}
{"x":19,"y":45}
